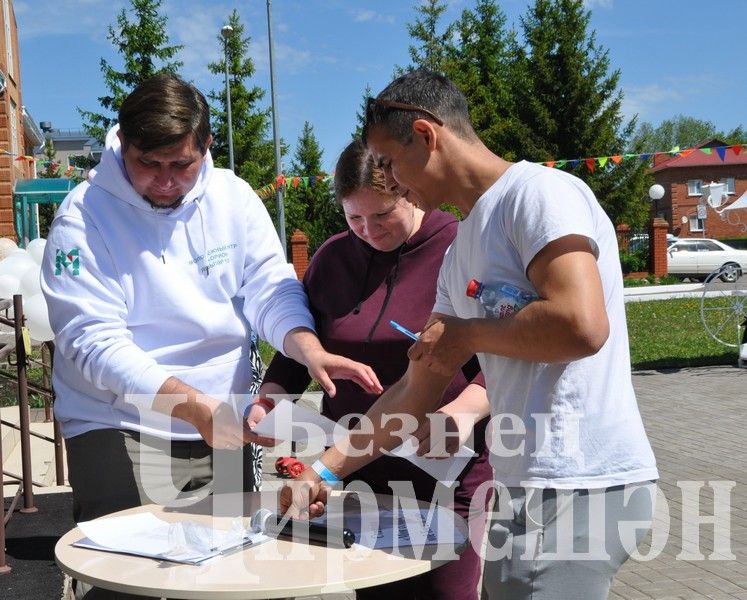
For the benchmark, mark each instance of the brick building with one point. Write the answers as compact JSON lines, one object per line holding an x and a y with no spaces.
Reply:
{"x":18,"y":133}
{"x":684,"y":203}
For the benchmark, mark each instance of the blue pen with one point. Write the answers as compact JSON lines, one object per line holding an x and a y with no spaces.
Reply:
{"x":404,"y":330}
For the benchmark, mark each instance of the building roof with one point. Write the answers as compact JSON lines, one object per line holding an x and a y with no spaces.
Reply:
{"x":713,"y":152}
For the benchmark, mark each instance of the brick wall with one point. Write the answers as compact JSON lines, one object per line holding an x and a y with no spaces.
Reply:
{"x":678,"y":203}
{"x":300,"y":253}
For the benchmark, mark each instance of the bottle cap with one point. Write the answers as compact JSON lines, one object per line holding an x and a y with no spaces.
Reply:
{"x":473,"y":288}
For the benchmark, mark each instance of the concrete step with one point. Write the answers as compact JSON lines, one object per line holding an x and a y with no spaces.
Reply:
{"x":42,"y":451}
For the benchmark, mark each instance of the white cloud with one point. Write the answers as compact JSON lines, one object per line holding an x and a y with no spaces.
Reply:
{"x":89,"y":18}
{"x":368,"y":16}
{"x":648,"y":101}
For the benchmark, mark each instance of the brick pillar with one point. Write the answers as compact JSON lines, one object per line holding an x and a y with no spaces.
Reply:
{"x":623,"y":236}
{"x":657,"y":239}
{"x":299,"y":253}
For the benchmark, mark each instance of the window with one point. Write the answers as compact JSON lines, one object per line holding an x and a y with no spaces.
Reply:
{"x":695,"y":187}
{"x":697,"y":224}
{"x":730,"y":187}
{"x":706,"y":246}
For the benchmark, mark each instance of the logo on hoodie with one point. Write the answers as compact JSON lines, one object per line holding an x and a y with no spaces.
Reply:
{"x":63,"y":260}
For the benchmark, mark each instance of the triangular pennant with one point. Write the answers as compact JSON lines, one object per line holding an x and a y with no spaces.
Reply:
{"x":560,"y":163}
{"x":706,"y":151}
{"x":645,"y":156}
{"x":602,"y":160}
{"x":674,"y":150}
{"x":550,"y":163}
{"x":590,"y":162}
{"x":312,"y":180}
{"x":721,"y":151}
{"x":296,"y":181}
{"x":687,"y":152}
{"x":629,"y":156}
{"x":280,"y":180}
{"x":616,"y":158}
{"x":737,"y":148}
{"x":574,"y":163}
{"x":305,"y":181}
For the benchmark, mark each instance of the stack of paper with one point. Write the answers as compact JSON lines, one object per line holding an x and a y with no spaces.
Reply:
{"x":146,"y":535}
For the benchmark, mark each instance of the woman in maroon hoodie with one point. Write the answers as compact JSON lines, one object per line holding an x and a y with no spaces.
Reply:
{"x":385,"y":268}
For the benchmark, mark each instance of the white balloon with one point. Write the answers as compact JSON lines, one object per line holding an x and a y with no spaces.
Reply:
{"x":9,"y":285}
{"x":37,"y":318}
{"x":35,"y":248}
{"x":6,"y":247}
{"x":31,"y":282}
{"x":16,"y":265}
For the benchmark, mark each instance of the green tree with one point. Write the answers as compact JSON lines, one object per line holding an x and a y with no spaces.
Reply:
{"x":144,"y":46}
{"x":682,"y":131}
{"x":360,"y":115}
{"x":569,"y":105}
{"x":479,"y":63}
{"x":432,"y":46}
{"x":311,"y":208}
{"x":254,"y":158}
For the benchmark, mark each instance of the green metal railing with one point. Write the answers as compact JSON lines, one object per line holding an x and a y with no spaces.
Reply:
{"x":27,"y":195}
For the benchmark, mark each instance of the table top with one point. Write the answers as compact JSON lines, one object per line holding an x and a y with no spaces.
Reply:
{"x":275,"y":569}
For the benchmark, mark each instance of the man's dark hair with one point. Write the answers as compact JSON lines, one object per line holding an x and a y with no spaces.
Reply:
{"x":161,"y":111}
{"x":419,"y":94}
{"x":355,"y":170}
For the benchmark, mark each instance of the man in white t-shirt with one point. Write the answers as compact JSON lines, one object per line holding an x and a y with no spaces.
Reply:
{"x":571,"y":458}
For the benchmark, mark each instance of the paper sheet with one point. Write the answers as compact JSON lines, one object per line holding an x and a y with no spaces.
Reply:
{"x":146,"y":535}
{"x":290,"y":422}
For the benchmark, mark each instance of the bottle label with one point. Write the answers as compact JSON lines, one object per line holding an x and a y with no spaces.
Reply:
{"x":503,"y":299}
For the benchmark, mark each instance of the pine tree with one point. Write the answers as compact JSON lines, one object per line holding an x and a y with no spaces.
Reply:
{"x":430,"y":53}
{"x":568,"y":102}
{"x":480,"y":65}
{"x":311,"y":207}
{"x":254,"y":156}
{"x":144,"y":46}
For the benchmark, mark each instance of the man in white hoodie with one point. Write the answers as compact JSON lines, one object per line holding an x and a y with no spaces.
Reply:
{"x":157,"y":270}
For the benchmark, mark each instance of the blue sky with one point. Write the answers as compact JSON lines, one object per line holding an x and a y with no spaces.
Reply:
{"x":675,"y":56}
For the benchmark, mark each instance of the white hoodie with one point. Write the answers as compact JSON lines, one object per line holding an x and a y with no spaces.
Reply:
{"x":154,"y":293}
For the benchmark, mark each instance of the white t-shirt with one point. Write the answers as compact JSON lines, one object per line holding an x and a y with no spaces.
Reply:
{"x":560,"y":425}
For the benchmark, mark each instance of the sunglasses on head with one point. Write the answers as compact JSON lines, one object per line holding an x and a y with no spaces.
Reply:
{"x":373,"y":102}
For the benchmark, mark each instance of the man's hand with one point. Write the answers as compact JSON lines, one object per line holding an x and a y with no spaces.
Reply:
{"x":443,"y":345}
{"x":257,"y":412}
{"x":304,"y":498}
{"x":216,"y":421}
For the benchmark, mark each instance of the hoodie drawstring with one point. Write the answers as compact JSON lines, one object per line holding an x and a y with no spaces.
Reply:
{"x":204,"y":238}
{"x":391,"y":281}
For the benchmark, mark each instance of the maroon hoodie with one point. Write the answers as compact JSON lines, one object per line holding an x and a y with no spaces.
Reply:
{"x":354,"y":291}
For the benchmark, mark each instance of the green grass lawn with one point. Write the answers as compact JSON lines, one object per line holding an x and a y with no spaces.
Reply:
{"x":670,"y":334}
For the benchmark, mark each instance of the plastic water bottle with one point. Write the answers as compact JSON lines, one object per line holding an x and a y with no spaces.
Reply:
{"x":499,"y":299}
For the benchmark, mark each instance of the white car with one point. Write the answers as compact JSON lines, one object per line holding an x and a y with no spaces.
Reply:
{"x":696,"y":258}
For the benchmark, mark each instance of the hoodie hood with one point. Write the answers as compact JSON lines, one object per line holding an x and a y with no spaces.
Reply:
{"x":111,"y":176}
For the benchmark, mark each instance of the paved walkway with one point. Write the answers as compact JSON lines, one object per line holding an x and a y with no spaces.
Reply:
{"x":695,"y":419}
